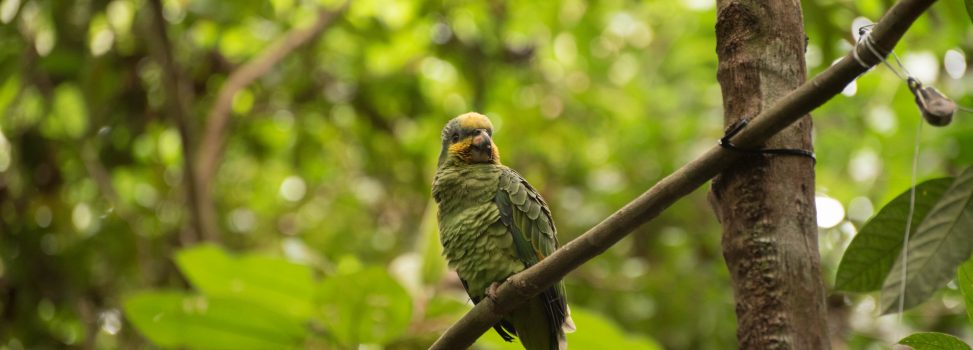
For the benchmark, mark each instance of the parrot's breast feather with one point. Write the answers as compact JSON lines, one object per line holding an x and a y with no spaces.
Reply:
{"x":474,"y":240}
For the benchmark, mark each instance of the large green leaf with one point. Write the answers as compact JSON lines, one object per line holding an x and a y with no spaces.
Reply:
{"x":175,"y":319}
{"x":267,"y":281}
{"x":934,"y":341}
{"x":594,"y":332}
{"x":941,"y":242}
{"x":365,"y":307}
{"x":874,"y":249}
{"x":964,"y":277}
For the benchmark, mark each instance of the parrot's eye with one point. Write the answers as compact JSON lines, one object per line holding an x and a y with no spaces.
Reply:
{"x":455,"y":138}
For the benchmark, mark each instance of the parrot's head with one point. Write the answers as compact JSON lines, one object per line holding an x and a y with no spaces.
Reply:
{"x":467,"y":139}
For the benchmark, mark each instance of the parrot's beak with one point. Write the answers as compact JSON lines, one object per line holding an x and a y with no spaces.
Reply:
{"x":482,"y":147}
{"x":482,"y":141}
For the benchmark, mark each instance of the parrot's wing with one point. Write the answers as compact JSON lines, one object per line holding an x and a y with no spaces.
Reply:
{"x":528,"y":218}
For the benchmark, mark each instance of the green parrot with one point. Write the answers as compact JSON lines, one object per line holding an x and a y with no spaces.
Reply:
{"x":493,"y":224}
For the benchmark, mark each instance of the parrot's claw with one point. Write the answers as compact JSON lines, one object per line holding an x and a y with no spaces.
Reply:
{"x":491,"y":292}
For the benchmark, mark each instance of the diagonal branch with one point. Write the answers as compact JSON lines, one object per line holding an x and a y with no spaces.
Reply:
{"x":211,"y":148}
{"x":650,"y":204}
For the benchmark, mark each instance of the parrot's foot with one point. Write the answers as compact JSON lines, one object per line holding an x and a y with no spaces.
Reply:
{"x":491,"y":293}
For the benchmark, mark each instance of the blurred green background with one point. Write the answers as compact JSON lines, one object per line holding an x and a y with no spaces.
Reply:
{"x":326,"y":232}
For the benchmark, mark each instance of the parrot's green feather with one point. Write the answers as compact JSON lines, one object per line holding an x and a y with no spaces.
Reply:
{"x":493,"y":224}
{"x":533,"y":325}
{"x":474,"y":240}
{"x":533,"y":232}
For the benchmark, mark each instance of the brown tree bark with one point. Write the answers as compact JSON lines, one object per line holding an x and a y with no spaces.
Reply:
{"x":766,"y":203}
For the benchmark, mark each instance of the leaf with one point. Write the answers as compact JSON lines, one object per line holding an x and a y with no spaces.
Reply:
{"x":941,"y":242}
{"x":365,"y":307}
{"x":176,"y":319}
{"x":964,"y":277}
{"x":448,"y":309}
{"x":874,"y":249}
{"x":934,"y":341}
{"x":267,"y":281}
{"x":594,"y":332}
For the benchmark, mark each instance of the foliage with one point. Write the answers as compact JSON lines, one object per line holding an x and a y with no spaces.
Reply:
{"x":269,"y":282}
{"x":599,"y":333}
{"x":329,"y":156}
{"x":941,"y":221}
{"x":936,"y":249}
{"x":934,"y":341}
{"x":942,"y":243}
{"x":870,"y":255}
{"x":365,"y":307}
{"x":259,"y":301}
{"x":174,"y":319}
{"x":964,"y":278}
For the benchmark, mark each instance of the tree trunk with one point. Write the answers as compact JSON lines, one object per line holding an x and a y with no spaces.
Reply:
{"x":766,"y":203}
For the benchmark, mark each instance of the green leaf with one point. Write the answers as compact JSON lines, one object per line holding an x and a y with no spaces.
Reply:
{"x":934,"y":341}
{"x":594,"y":332}
{"x":874,"y":249}
{"x":964,"y":277}
{"x":175,"y":319}
{"x":267,"y":281}
{"x":600,"y":333}
{"x":365,"y":307}
{"x":448,"y":309}
{"x":941,"y":242}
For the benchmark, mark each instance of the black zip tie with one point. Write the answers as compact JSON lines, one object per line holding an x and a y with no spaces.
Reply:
{"x":743,"y":122}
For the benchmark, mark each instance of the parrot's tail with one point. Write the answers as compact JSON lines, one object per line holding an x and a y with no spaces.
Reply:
{"x":535,"y":329}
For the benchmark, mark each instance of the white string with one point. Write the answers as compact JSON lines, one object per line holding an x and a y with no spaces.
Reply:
{"x":905,"y":76}
{"x":908,"y":221}
{"x":854,"y":53}
{"x":866,"y":38}
{"x":899,"y":62}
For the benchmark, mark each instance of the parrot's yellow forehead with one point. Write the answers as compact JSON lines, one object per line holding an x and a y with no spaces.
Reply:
{"x":473,"y":120}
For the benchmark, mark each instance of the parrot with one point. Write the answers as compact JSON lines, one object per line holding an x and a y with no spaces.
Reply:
{"x":494,"y":224}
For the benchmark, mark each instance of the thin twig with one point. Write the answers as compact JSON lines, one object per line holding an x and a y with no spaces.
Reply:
{"x":211,"y":148}
{"x":178,"y":101}
{"x":650,"y":204}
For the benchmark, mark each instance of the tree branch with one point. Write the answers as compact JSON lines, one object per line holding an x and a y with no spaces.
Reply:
{"x":650,"y":204}
{"x":211,"y":148}
{"x":178,"y":100}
